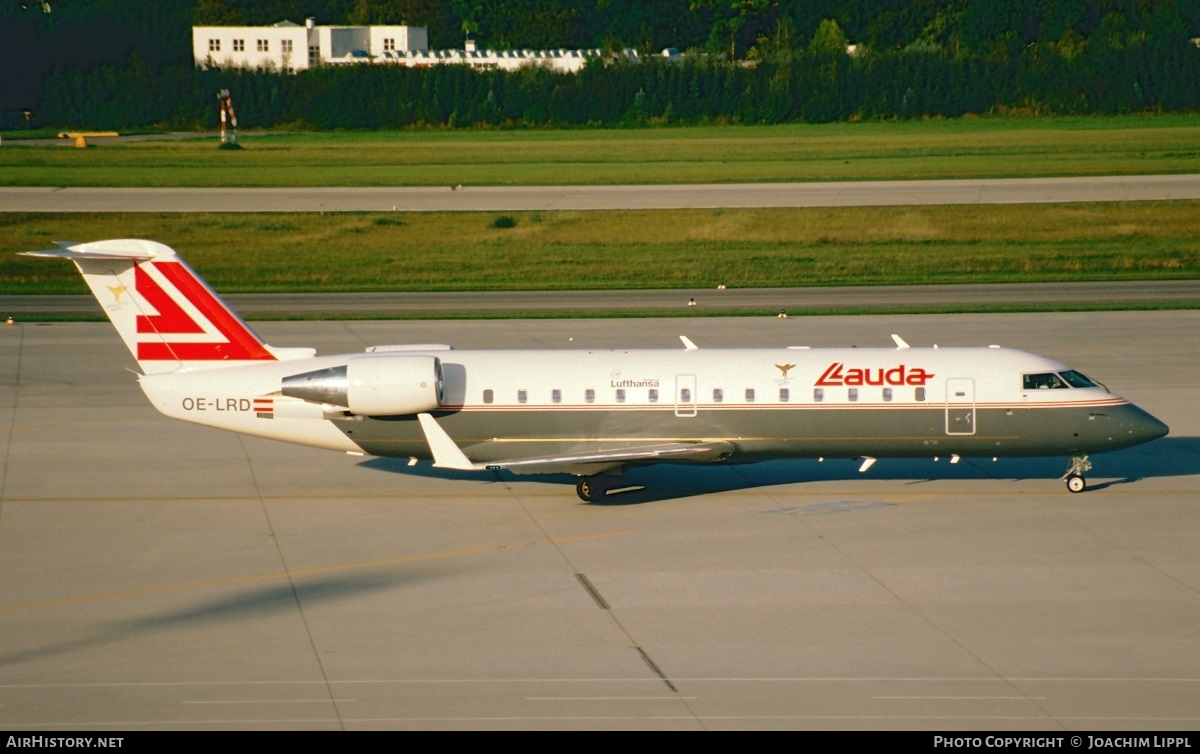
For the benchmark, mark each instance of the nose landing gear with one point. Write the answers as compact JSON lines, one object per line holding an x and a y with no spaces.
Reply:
{"x":1080,"y":465}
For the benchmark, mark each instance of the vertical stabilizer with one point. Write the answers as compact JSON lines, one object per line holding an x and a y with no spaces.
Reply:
{"x":168,"y":317}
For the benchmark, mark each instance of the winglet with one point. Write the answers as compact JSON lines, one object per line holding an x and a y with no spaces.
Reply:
{"x":446,"y":455}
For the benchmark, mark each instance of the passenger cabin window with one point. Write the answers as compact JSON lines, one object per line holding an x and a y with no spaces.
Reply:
{"x":589,"y":395}
{"x":488,"y":396}
{"x":556,"y":395}
{"x":522,"y":396}
{"x":853,"y":394}
{"x":919,"y":394}
{"x":620,"y":395}
{"x":887,"y":394}
{"x":718,"y":395}
{"x":685,"y":395}
{"x":784,"y":395}
{"x":653,"y":395}
{"x":818,"y":394}
{"x":749,"y":395}
{"x":1047,"y":381}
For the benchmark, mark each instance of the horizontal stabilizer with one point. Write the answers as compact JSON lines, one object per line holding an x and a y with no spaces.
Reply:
{"x":102,"y":250}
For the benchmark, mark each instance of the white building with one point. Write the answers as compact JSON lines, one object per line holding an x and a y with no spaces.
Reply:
{"x":565,"y":61}
{"x":289,"y":46}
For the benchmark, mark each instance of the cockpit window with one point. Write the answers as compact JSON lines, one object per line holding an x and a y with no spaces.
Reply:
{"x":1075,"y":379}
{"x":1047,"y":381}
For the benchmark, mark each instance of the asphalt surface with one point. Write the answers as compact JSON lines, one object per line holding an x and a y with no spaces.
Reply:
{"x":161,"y":575}
{"x":757,"y":300}
{"x":533,"y":198}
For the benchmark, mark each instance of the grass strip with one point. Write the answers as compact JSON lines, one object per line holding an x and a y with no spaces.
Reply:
{"x":627,"y":250}
{"x":962,"y":148}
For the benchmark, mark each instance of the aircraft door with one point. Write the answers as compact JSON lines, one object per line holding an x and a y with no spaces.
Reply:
{"x":960,"y":406}
{"x":685,"y":395}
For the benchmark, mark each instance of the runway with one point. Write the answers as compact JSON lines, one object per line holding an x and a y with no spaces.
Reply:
{"x":1131,"y":293}
{"x":161,"y":575}
{"x":547,"y":198}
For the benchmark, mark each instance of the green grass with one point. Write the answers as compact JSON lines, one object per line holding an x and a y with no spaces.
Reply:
{"x":635,"y":249}
{"x":963,"y":148}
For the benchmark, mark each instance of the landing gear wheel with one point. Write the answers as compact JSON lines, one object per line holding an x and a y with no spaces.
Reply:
{"x":1080,"y":465}
{"x":589,"y":490}
{"x":1076,"y":483}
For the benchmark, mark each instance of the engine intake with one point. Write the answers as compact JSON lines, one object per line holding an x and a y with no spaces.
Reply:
{"x":389,"y":384}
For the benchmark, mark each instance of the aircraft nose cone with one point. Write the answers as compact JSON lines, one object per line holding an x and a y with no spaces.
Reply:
{"x":1152,"y":429}
{"x":1142,"y":427}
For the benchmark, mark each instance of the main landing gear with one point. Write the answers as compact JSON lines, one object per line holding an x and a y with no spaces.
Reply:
{"x":1080,"y":465}
{"x":590,"y":488}
{"x":596,"y":486}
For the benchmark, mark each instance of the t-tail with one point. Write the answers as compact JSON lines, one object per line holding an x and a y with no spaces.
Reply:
{"x":168,"y":317}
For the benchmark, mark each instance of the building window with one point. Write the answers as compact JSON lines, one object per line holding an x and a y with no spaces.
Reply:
{"x":718,"y":395}
{"x":239,"y":45}
{"x":285,"y":45}
{"x":749,"y":395}
{"x":589,"y":396}
{"x":262,"y":45}
{"x":785,"y":395}
{"x":214,"y":45}
{"x":389,"y":44}
{"x":314,"y":55}
{"x":488,"y":396}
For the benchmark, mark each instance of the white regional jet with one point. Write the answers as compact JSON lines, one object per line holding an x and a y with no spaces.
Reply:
{"x":594,"y":413}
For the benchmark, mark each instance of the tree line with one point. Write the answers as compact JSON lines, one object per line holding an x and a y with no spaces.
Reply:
{"x":748,"y":61}
{"x":812,"y":87}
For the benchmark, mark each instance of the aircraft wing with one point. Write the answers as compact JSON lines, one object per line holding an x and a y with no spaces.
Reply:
{"x":597,"y":461}
{"x":446,"y":454}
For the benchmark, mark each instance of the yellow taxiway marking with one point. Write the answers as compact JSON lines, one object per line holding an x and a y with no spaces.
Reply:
{"x":311,"y":571}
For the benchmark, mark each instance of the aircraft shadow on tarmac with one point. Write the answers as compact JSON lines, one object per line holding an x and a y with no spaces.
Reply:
{"x":1168,"y":457}
{"x":248,"y":603}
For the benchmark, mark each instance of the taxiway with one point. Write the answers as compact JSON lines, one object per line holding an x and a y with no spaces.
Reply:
{"x":155,"y":574}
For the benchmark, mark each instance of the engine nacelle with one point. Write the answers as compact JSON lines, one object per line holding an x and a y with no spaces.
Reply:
{"x":389,"y":384}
